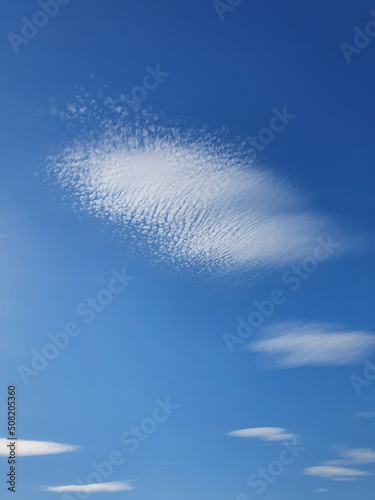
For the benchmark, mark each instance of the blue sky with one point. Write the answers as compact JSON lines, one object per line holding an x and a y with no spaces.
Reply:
{"x":147,"y":233}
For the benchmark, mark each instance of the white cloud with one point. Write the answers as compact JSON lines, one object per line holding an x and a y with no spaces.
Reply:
{"x":299,"y":344}
{"x":264,"y":433}
{"x":189,"y":199}
{"x":356,"y":455}
{"x":338,"y":470}
{"x":336,"y":473}
{"x":365,"y":414}
{"x":29,"y":448}
{"x":321,"y":490}
{"x":91,"y":488}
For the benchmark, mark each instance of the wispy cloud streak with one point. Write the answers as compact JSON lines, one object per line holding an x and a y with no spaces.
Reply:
{"x":30,"y":448}
{"x":365,"y":414}
{"x":340,"y":469}
{"x":265,"y":433}
{"x":336,"y":473}
{"x":111,"y":487}
{"x":307,"y":344}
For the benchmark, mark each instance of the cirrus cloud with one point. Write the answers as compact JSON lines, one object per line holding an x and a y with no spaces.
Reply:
{"x":365,"y":414}
{"x":264,"y":433}
{"x":309,"y":344}
{"x":91,"y":488}
{"x":336,"y":473}
{"x":354,"y":455}
{"x":187,"y":198}
{"x":339,"y":470}
{"x":32,"y":448}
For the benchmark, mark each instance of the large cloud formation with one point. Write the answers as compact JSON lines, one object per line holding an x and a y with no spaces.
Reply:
{"x":190,"y":199}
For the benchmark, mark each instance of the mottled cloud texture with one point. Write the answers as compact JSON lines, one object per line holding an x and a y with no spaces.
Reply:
{"x":187,"y":198}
